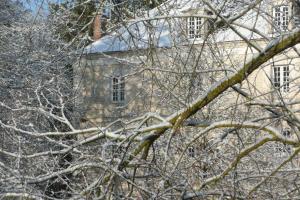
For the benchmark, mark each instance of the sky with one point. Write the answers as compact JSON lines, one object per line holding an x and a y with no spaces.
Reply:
{"x":36,"y":6}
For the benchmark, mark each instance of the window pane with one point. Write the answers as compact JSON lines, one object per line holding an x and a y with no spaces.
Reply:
{"x":277,"y":17}
{"x":276,"y":77}
{"x":198,"y":27}
{"x":286,"y":78}
{"x":281,"y":17}
{"x":285,"y":18}
{"x":122,"y":89}
{"x":115,"y":89}
{"x":191,"y":27}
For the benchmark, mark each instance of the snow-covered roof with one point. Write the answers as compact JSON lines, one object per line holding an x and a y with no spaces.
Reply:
{"x":167,"y":32}
{"x":135,"y":36}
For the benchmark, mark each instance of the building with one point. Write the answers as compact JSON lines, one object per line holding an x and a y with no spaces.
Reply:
{"x":114,"y":68}
{"x":162,"y":62}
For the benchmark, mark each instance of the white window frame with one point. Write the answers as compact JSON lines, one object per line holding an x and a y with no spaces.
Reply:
{"x":281,"y":77}
{"x":194,"y":25}
{"x":118,"y":89}
{"x":281,"y":17}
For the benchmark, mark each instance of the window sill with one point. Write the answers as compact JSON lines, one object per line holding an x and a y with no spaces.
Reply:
{"x":118,"y":102}
{"x":190,"y":41}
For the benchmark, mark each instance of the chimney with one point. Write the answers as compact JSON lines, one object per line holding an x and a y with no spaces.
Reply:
{"x":97,"y":27}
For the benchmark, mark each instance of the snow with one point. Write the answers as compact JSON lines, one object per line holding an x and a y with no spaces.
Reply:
{"x":163,"y":33}
{"x":136,"y":36}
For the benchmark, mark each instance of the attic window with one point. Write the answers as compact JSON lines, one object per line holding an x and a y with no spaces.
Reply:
{"x":281,"y":17}
{"x":194,"y":27}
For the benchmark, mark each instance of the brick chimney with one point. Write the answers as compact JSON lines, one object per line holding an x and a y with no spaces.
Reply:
{"x":97,"y":27}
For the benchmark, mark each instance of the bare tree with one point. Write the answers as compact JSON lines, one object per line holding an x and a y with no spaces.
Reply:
{"x":213,"y":113}
{"x":35,"y":85}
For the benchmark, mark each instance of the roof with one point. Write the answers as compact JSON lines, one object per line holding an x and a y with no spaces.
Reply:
{"x":162,"y":27}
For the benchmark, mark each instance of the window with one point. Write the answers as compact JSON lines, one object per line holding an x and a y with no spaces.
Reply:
{"x":118,"y":89}
{"x":286,"y":78}
{"x":281,"y":17}
{"x":191,"y":152}
{"x":194,"y":27}
{"x":276,"y":78}
{"x":286,"y":133}
{"x":281,"y":78}
{"x":106,"y":8}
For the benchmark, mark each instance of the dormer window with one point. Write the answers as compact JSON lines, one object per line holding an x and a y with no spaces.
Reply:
{"x":281,"y":18}
{"x":194,"y":27}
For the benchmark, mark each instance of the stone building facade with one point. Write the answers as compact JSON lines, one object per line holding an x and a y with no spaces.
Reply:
{"x":164,"y":62}
{"x":128,"y":56}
